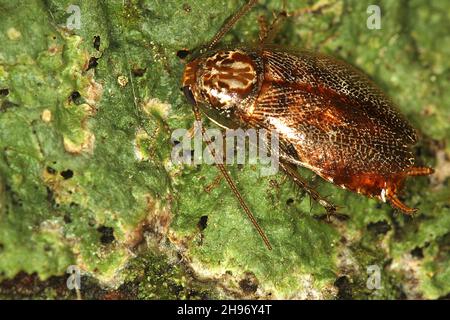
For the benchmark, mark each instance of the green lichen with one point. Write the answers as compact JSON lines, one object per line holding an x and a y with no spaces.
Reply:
{"x":86,"y":177}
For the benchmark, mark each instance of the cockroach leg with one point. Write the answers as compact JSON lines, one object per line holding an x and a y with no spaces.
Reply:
{"x":400,"y":205}
{"x":263,"y":28}
{"x":268,"y":32}
{"x":213,"y":184}
{"x":409,"y":172}
{"x":291,"y":170}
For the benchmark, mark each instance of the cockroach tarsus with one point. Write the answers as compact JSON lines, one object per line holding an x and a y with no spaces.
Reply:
{"x":329,"y":116}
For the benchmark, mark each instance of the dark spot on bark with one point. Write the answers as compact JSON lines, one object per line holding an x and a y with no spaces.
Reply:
{"x":75,"y":97}
{"x":409,"y":218}
{"x":7,"y":105}
{"x":417,"y":253}
{"x":387,"y":263}
{"x":187,"y":7}
{"x":67,"y":174}
{"x":175,"y":288}
{"x":326,"y":217}
{"x":92,"y":63}
{"x":138,"y":72}
{"x":67,"y":218}
{"x":249,"y":284}
{"x":341,"y":216}
{"x":380,"y":227}
{"x":73,"y":205}
{"x":289,"y":201}
{"x":50,"y":196}
{"x":97,"y":43}
{"x":51,"y":170}
{"x":344,"y":288}
{"x":202,"y":223}
{"x":107,"y":234}
{"x":182,"y":54}
{"x":4,"y":92}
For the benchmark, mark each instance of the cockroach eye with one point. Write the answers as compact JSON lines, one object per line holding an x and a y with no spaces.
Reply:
{"x":189,"y":95}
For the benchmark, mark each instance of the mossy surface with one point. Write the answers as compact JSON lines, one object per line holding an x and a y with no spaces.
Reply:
{"x":86,"y":117}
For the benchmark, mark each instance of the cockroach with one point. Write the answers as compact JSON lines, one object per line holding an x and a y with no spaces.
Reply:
{"x":329,"y":116}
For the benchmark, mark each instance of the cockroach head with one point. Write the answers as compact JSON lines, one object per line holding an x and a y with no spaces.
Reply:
{"x":220,"y":79}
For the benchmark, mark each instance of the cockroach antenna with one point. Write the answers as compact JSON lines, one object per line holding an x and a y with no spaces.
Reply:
{"x":230,"y":23}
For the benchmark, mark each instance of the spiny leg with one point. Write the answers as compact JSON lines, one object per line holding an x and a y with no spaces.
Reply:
{"x":396,"y":203}
{"x":291,"y":170}
{"x":268,"y":32}
{"x":411,"y":172}
{"x":263,"y":29}
{"x":213,"y":184}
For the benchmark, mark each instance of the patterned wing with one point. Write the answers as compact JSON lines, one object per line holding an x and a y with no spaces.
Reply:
{"x":335,"y":118}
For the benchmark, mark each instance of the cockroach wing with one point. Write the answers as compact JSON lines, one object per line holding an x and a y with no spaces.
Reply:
{"x":336,"y":121}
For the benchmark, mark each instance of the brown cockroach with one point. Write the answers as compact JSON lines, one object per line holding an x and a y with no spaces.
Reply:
{"x":329,"y":116}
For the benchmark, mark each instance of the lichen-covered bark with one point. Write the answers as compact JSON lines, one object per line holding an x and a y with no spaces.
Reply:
{"x":86,"y":179}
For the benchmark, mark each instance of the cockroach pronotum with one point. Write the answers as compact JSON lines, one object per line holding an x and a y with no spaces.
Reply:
{"x":329,"y":116}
